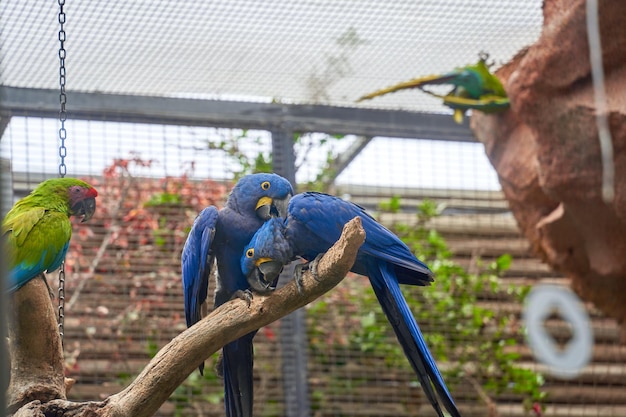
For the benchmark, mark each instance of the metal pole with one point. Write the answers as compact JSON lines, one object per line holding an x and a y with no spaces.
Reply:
{"x":4,"y":354}
{"x":293,"y":337}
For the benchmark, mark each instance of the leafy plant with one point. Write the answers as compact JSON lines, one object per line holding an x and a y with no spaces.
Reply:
{"x":477,"y":344}
{"x":482,"y":345}
{"x":131,"y":249}
{"x":336,"y":65}
{"x":193,"y":391}
{"x":237,"y":145}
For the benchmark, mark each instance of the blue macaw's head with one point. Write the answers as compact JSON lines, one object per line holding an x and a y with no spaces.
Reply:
{"x":266,"y":254}
{"x":268,"y":194}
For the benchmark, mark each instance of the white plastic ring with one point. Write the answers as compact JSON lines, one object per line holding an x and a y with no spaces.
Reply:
{"x":542,"y":301}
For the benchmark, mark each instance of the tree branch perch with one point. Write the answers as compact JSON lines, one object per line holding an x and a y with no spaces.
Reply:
{"x":179,"y":358}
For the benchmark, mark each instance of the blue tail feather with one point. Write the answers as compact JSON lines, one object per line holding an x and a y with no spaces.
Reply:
{"x":238,"y":379}
{"x":410,"y":337}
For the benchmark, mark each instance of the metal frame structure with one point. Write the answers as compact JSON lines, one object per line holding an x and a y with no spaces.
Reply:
{"x":4,"y":354}
{"x":15,"y":101}
{"x":282,"y":120}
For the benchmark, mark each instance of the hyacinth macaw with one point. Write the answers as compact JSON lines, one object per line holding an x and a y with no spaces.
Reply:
{"x":37,"y":229}
{"x":474,"y":87}
{"x":313,"y":224}
{"x":222,"y":235}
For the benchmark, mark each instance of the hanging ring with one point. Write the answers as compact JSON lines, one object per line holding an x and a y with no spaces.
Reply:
{"x":542,"y":302}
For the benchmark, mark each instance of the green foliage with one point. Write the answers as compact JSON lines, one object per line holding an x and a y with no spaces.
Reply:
{"x":312,"y":144}
{"x":336,"y":66}
{"x":235,"y":145}
{"x":163,"y":199}
{"x":194,"y":390}
{"x":391,"y":206}
{"x":475,"y":345}
{"x":482,"y":345}
{"x":231,"y":144}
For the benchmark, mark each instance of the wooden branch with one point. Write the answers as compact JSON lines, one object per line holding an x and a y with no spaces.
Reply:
{"x":35,"y":347}
{"x":179,"y":358}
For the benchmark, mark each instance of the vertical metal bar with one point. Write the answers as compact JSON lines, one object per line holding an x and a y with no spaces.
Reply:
{"x":283,"y":157}
{"x":4,"y":353}
{"x":293,"y":337}
{"x":4,"y":122}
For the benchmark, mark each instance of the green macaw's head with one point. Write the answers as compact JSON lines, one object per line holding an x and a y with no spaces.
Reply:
{"x":82,"y":201}
{"x":71,"y":194}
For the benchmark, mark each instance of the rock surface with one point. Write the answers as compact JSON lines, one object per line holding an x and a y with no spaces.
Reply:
{"x":547,"y":155}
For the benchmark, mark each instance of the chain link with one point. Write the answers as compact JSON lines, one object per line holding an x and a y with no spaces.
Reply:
{"x":61,"y":300}
{"x":62,"y":95}
{"x":62,"y":151}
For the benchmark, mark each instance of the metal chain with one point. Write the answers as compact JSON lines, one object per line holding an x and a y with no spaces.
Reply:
{"x":61,"y":300}
{"x":62,"y":151}
{"x":62,"y":95}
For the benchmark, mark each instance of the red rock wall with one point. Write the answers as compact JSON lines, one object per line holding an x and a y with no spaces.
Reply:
{"x":547,"y":155}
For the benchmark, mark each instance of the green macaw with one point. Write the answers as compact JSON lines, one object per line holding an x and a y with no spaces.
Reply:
{"x":475,"y":87}
{"x":37,"y":230}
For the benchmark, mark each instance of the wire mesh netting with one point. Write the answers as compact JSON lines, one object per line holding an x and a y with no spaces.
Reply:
{"x":124,"y":296}
{"x":331,"y":52}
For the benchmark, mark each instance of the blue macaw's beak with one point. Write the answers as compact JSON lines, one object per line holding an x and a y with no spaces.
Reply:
{"x":85,"y":208}
{"x":268,"y":207}
{"x":264,"y":277}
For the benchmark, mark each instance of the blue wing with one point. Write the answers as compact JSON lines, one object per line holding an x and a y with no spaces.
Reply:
{"x":407,"y":331}
{"x":315,"y":222}
{"x":197,"y":261}
{"x":24,"y":272}
{"x":324,"y":216}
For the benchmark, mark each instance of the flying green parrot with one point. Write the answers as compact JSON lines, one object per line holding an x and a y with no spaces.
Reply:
{"x":37,"y":230}
{"x":475,"y":87}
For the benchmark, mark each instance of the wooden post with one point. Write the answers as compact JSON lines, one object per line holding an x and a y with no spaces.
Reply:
{"x":34,"y":347}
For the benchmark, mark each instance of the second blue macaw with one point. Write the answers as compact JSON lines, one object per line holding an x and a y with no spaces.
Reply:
{"x":222,"y":235}
{"x":313,"y":224}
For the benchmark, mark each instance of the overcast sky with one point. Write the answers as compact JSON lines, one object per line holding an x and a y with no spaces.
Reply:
{"x":32,"y":146}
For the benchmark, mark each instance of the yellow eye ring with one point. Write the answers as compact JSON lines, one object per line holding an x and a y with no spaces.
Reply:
{"x":250,"y":253}
{"x":265,"y":185}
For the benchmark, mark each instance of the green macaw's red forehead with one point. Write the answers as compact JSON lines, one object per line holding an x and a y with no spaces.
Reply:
{"x":91,"y":192}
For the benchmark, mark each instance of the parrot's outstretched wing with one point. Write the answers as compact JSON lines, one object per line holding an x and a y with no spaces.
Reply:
{"x":197,"y":261}
{"x":487,"y":103}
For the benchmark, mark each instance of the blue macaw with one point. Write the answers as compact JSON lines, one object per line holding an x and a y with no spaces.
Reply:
{"x":313,"y":224}
{"x":222,"y":235}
